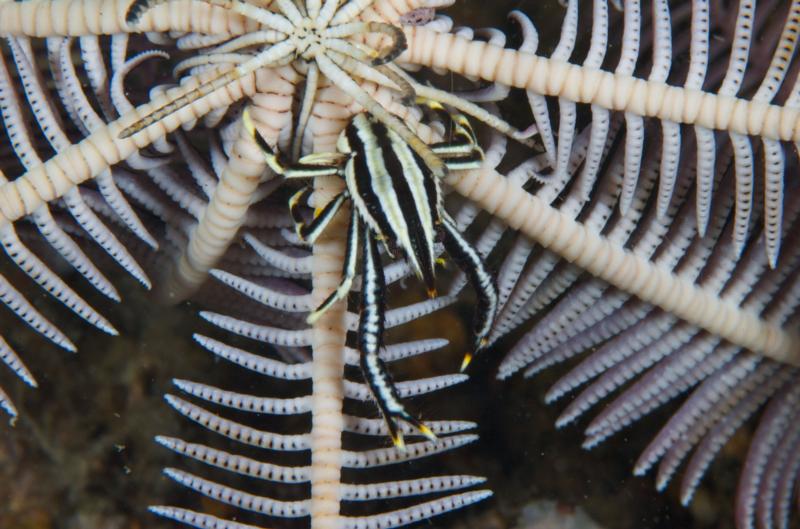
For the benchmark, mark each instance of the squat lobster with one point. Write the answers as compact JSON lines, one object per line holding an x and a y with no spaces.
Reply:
{"x":396,"y":199}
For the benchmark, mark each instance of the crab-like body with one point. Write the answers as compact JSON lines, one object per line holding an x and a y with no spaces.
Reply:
{"x":396,"y":199}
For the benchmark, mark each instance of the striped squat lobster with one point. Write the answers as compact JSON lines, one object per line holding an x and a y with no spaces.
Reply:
{"x":394,"y":187}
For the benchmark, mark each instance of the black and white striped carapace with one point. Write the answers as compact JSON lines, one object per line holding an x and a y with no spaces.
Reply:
{"x":397,"y":200}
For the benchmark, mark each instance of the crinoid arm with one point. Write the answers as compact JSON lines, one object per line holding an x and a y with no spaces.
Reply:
{"x":271,"y":56}
{"x":289,"y":22}
{"x":81,"y":145}
{"x":660,"y":211}
{"x":326,"y":447}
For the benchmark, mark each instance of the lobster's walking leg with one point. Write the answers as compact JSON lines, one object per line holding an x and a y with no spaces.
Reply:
{"x":482,"y":281}
{"x":370,"y":341}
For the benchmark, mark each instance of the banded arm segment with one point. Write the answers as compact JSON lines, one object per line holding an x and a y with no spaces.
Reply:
{"x":508,"y":201}
{"x":103,"y":148}
{"x":75,"y":18}
{"x":597,"y":87}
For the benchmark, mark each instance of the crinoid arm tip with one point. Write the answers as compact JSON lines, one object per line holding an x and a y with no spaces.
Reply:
{"x":129,"y":131}
{"x":398,"y":46}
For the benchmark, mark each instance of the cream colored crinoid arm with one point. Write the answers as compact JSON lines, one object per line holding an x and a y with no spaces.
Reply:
{"x":328,"y":345}
{"x":104,"y":148}
{"x":246,"y":168}
{"x":330,"y":330}
{"x":221,"y":219}
{"x":606,"y":89}
{"x":50,"y":18}
{"x":567,"y":237}
{"x":599,"y":256}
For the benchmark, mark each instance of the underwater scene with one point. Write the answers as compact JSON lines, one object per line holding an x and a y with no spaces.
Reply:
{"x":365,"y":264}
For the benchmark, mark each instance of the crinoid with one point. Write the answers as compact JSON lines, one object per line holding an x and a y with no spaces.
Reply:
{"x":240,"y":167}
{"x":683,"y":198}
{"x":709,"y":294}
{"x":100,"y":145}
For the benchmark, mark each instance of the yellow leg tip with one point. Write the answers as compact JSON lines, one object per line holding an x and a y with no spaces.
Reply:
{"x":427,"y":432}
{"x":432,"y":293}
{"x":465,"y":363}
{"x":399,"y":442}
{"x":248,"y":122}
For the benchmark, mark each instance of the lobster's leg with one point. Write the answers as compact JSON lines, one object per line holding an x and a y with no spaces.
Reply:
{"x":348,"y":271}
{"x":370,"y":341}
{"x":482,"y":281}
